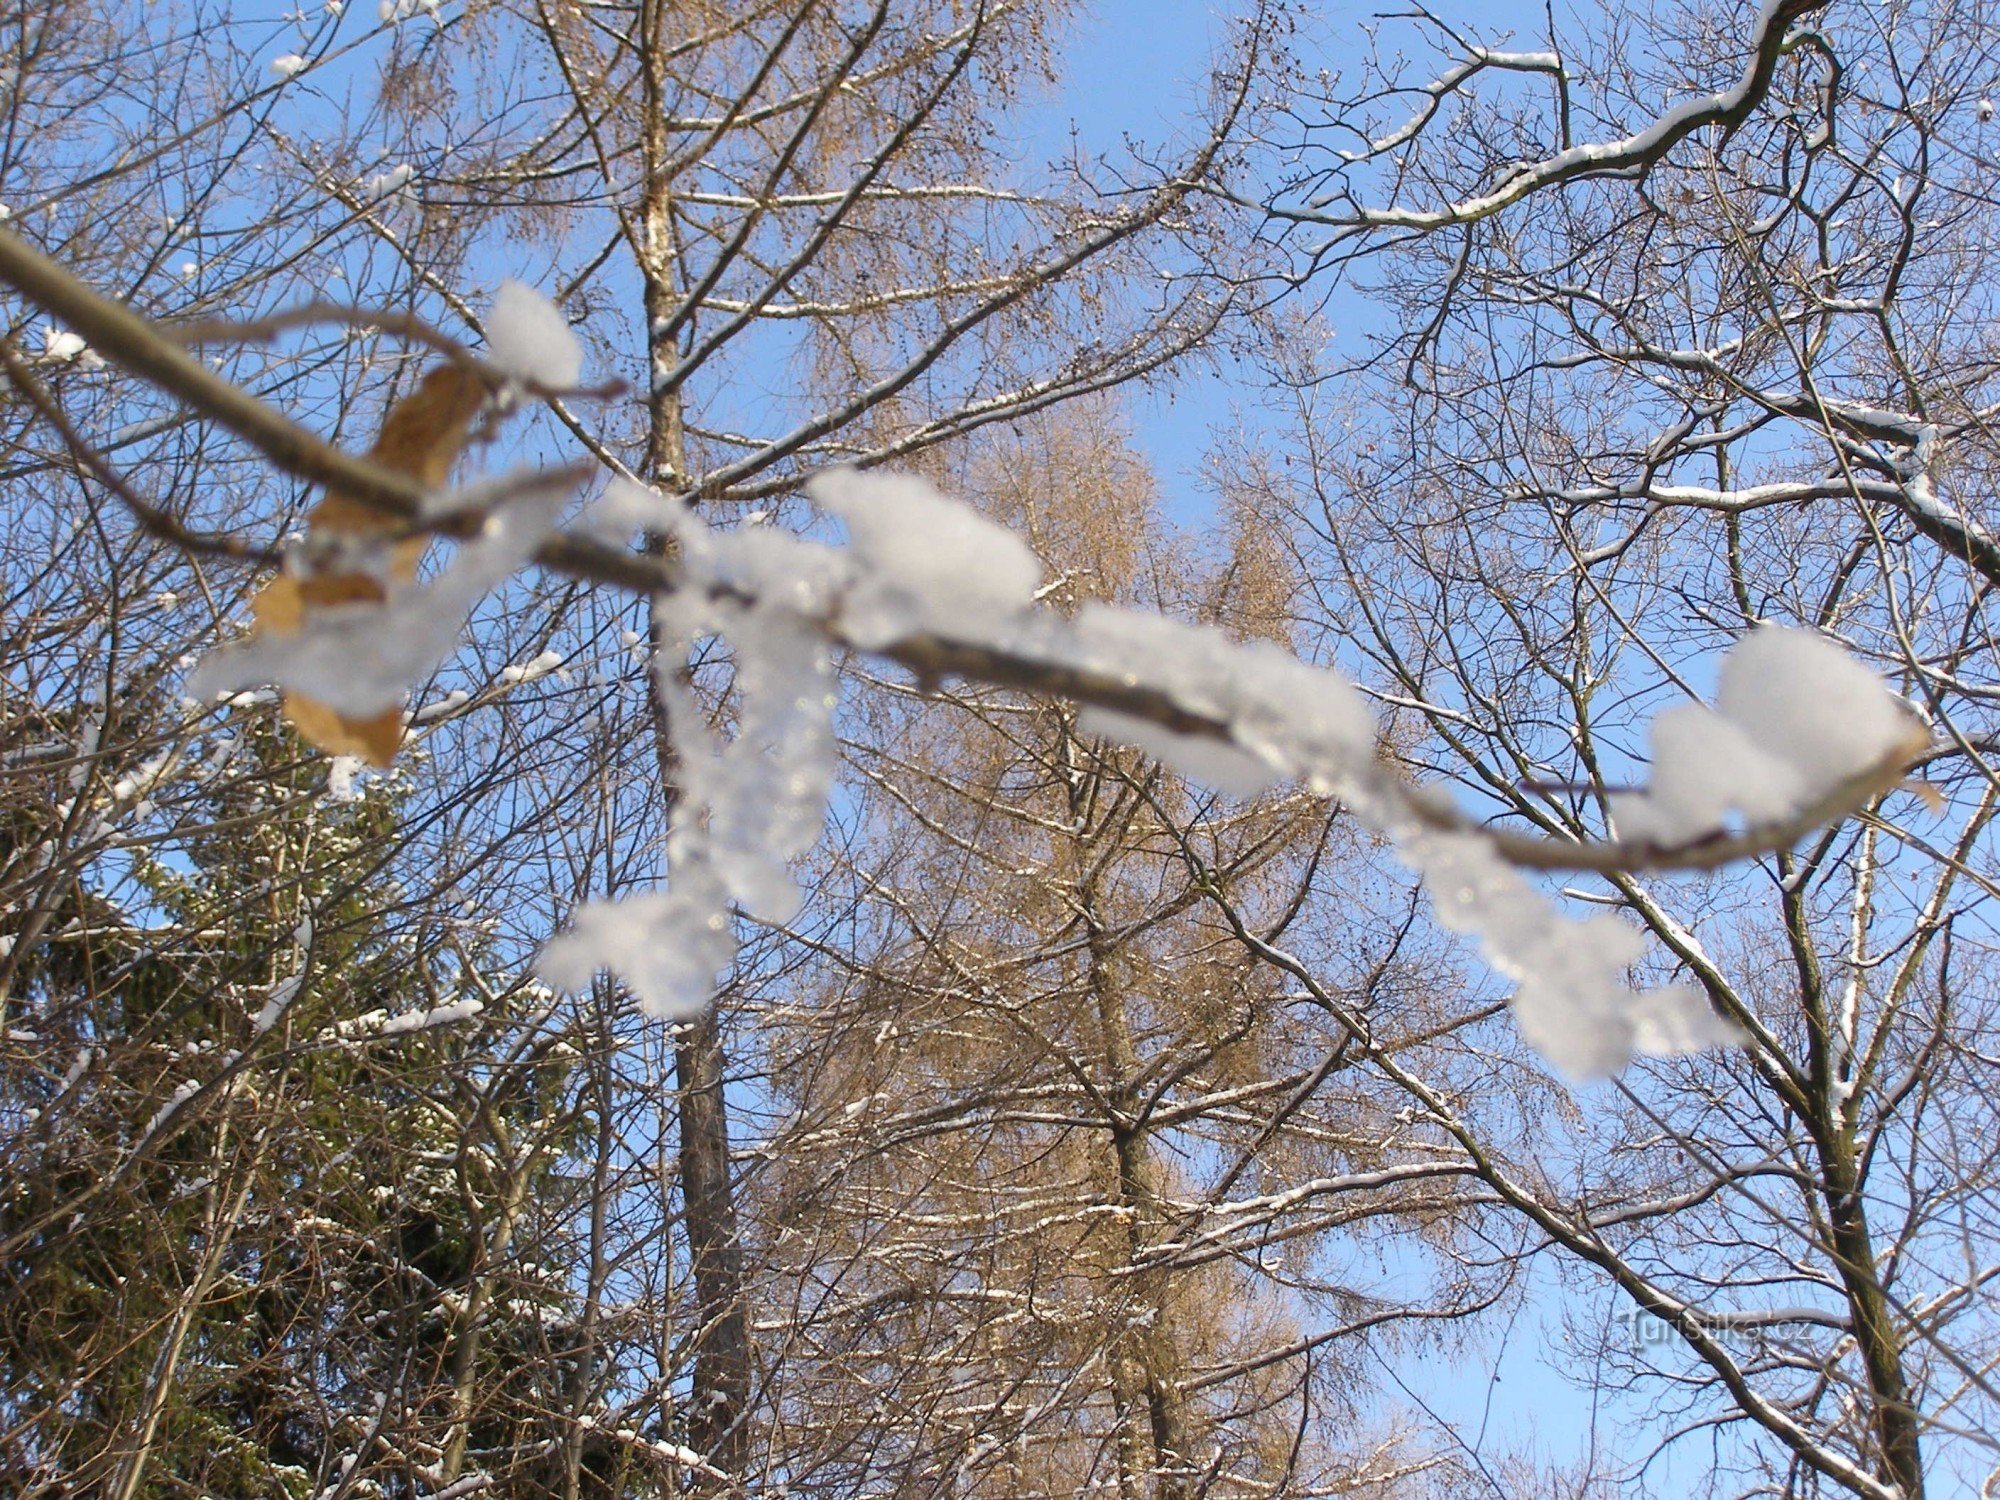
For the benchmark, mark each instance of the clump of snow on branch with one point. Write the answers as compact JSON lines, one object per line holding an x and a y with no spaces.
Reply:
{"x":342,"y":774}
{"x":527,"y":671}
{"x":449,"y":1014}
{"x":925,"y":564}
{"x":527,"y":336}
{"x":748,"y":804}
{"x":360,"y":659}
{"x":288,"y":65}
{"x":1571,"y":1003}
{"x":1797,"y":722}
{"x":60,"y":346}
{"x":286,"y":990}
{"x":1285,"y":718}
{"x":1216,"y":763}
{"x":1811,"y":704}
{"x":1795,"y":719}
{"x":393,"y":183}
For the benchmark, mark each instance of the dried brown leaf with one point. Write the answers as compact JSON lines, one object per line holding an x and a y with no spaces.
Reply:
{"x":421,"y":436}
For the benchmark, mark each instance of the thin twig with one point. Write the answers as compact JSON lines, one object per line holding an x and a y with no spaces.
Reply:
{"x":154,"y":518}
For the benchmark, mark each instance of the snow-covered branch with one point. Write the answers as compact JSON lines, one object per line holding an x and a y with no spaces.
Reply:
{"x":1803,"y":735}
{"x":1627,"y":154}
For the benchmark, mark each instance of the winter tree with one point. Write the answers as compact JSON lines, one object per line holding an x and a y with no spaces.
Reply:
{"x":530,"y":1098}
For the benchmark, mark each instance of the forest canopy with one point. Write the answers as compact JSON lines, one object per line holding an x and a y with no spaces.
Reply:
{"x":644,"y":850}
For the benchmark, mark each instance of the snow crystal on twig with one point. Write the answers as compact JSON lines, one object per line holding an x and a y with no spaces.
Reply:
{"x":667,"y":946}
{"x":283,"y":993}
{"x":1805,"y":700}
{"x":286,"y":990}
{"x":442,"y":708}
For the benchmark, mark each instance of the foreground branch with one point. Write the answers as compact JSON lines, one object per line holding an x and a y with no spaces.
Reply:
{"x":946,"y":594}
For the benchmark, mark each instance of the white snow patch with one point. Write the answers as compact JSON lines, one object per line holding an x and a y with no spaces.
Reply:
{"x":749,"y":804}
{"x":1806,"y":701}
{"x":928,"y":563}
{"x":1290,"y":718}
{"x":134,"y":785}
{"x":360,"y":659}
{"x":1213,"y":762}
{"x":341,"y":774}
{"x":425,"y":1020}
{"x":528,"y":337}
{"x":389,"y":183}
{"x":283,"y":993}
{"x":442,"y":708}
{"x":77,"y":1068}
{"x":1572,"y":1004}
{"x":1704,"y":767}
{"x":167,"y":1111}
{"x":1795,"y":717}
{"x":60,"y":346}
{"x":528,"y":671}
{"x":667,"y":946}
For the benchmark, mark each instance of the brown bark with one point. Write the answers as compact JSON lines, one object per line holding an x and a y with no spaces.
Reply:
{"x":718,"y":1403}
{"x":1154,"y":1444}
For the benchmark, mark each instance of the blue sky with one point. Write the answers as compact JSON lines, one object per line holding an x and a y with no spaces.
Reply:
{"x":1138,"y":69}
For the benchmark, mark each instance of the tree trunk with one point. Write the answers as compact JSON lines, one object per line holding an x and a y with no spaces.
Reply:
{"x":1153,"y":1441}
{"x":719,"y":1401}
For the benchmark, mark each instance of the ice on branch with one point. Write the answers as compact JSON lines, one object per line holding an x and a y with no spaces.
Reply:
{"x":748,"y":804}
{"x":360,"y":659}
{"x":1796,"y":721}
{"x":928,"y":582}
{"x":528,"y":337}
